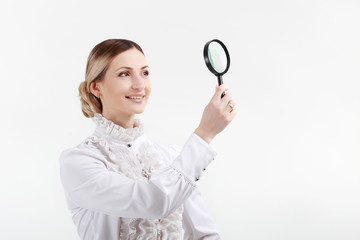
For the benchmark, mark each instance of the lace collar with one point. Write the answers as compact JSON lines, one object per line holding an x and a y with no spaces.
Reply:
{"x":116,"y":131}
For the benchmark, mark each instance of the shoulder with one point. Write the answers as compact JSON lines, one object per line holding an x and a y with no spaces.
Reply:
{"x":80,"y":154}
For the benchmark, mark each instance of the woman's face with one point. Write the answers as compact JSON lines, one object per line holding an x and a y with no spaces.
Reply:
{"x":126,"y":86}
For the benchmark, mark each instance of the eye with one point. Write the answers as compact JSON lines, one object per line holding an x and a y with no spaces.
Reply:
{"x":145,"y":73}
{"x":124,"y":74}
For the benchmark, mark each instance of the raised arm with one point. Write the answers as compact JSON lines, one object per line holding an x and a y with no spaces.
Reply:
{"x":89,"y":184}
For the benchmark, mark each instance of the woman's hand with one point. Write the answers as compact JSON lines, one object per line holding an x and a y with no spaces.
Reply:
{"x":217,"y":114}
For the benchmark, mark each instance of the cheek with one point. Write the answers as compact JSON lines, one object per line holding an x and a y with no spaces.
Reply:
{"x":149,"y":86}
{"x":115,"y":91}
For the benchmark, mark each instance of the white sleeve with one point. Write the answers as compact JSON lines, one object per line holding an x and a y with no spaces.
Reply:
{"x":197,"y":222}
{"x":89,"y":184}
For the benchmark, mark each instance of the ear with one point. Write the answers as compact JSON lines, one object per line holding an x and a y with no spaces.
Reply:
{"x":95,"y":88}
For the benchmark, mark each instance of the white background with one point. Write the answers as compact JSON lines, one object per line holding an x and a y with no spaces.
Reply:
{"x":288,"y":166}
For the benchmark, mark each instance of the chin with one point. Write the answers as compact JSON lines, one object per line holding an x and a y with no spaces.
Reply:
{"x":138,"y":111}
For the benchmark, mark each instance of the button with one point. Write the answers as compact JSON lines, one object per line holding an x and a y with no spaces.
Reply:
{"x":129,"y":145}
{"x":204,"y":169}
{"x":197,"y":179}
{"x":159,"y":234}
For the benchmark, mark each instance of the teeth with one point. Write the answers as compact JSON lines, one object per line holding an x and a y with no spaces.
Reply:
{"x":135,"y":97}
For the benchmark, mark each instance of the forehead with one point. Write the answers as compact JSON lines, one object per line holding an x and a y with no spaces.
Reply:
{"x":130,"y":58}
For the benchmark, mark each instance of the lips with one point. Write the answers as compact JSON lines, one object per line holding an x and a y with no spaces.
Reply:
{"x":135,"y":97}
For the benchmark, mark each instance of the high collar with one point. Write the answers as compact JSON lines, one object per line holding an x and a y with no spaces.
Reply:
{"x":108,"y":127}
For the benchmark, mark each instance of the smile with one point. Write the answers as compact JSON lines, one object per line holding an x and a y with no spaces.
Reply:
{"x":135,"y":97}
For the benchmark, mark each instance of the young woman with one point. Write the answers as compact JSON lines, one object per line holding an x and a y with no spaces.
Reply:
{"x":118,"y":183}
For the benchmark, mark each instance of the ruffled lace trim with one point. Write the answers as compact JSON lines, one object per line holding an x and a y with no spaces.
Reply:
{"x":133,"y":165}
{"x":139,"y":165}
{"x":116,"y":131}
{"x":150,"y":229}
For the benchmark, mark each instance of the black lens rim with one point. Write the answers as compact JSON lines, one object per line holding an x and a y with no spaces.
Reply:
{"x":207,"y":60}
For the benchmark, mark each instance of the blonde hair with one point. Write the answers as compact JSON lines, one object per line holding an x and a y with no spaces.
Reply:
{"x":98,"y":62}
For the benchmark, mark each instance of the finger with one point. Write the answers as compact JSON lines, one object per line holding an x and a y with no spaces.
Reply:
{"x":230,"y":106}
{"x":232,"y":102}
{"x":233,"y":113}
{"x":226,"y":100}
{"x":219,"y":90}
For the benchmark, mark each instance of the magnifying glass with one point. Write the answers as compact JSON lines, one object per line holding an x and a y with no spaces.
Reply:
{"x":217,"y":59}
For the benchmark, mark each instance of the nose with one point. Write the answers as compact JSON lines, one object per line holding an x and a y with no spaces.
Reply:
{"x":138,"y":83}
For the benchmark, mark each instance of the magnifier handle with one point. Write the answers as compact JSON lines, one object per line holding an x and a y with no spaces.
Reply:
{"x":220,"y":81}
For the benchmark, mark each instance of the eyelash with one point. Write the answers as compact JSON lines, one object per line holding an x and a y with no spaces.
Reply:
{"x":145,"y":73}
{"x":122,"y":74}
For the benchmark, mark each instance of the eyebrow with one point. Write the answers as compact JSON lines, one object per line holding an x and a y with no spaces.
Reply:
{"x":131,"y":68}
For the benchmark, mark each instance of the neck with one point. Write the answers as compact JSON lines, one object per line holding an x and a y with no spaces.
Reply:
{"x":125,"y":121}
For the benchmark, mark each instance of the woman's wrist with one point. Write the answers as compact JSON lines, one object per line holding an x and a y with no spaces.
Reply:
{"x":206,"y":137}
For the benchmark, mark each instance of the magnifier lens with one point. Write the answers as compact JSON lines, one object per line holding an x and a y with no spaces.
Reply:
{"x":217,"y":57}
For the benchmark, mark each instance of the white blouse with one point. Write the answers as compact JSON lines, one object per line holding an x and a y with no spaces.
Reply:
{"x":121,"y":185}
